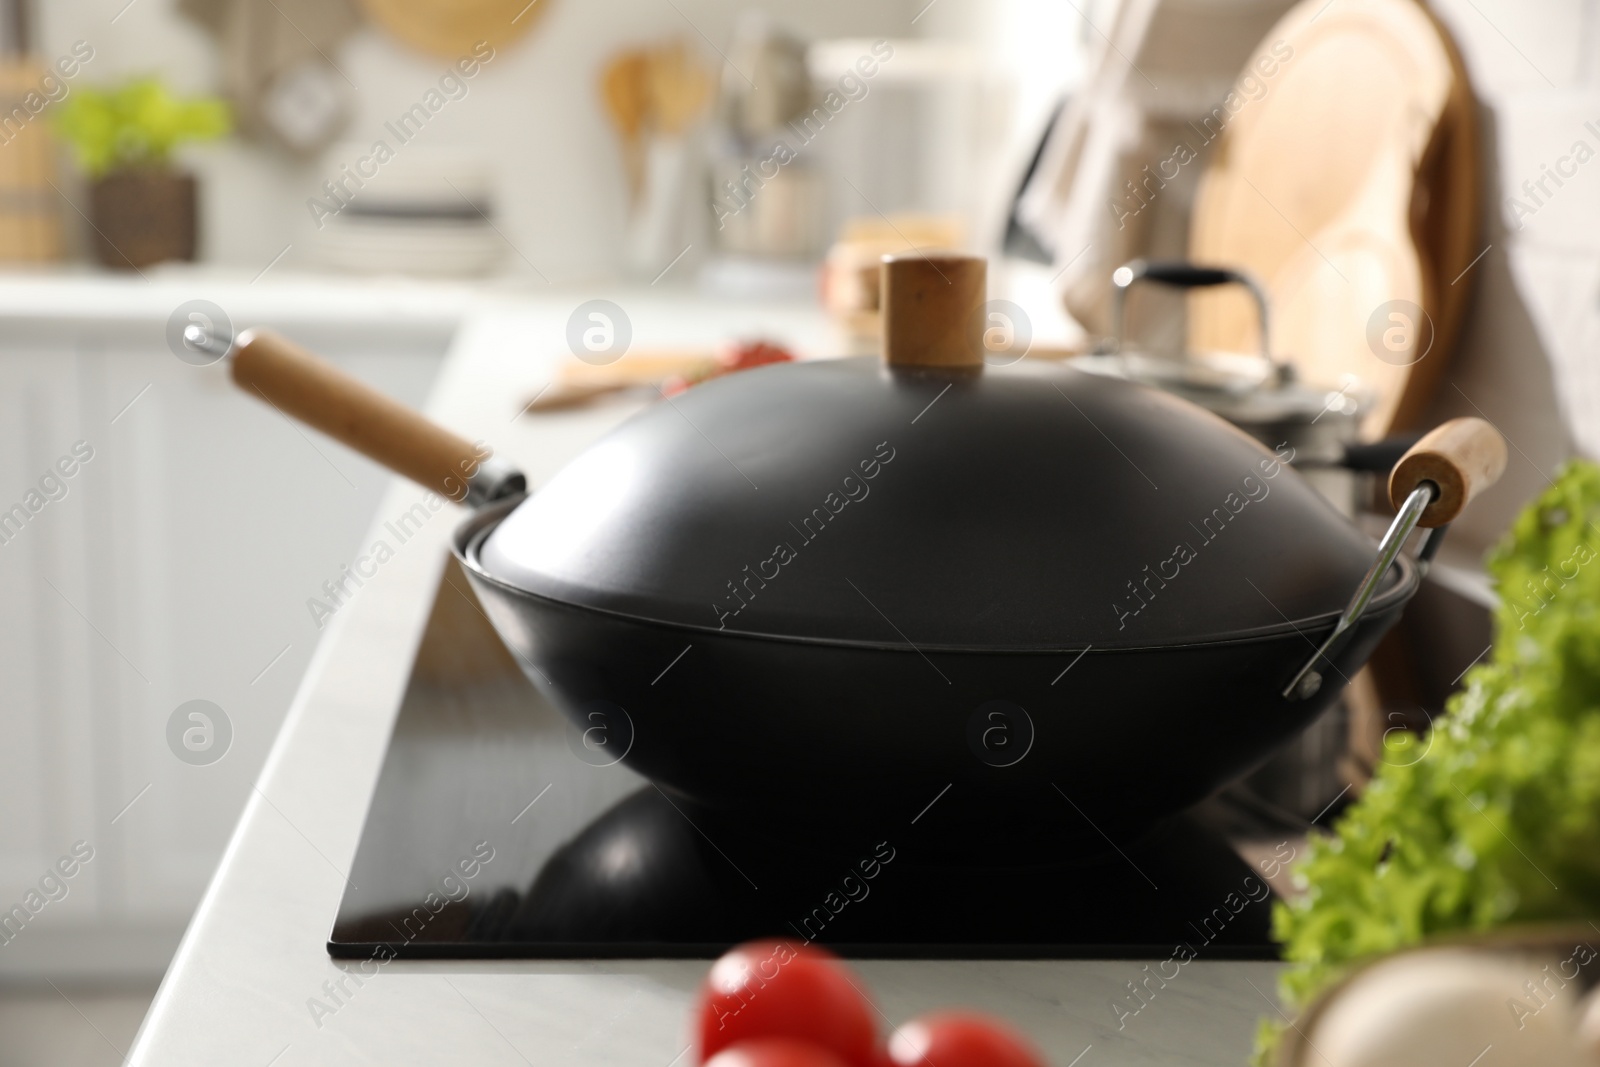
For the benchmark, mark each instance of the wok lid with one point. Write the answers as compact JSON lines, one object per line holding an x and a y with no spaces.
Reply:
{"x":947,"y":507}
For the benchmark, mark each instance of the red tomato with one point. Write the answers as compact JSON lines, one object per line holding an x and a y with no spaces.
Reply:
{"x":777,"y":989}
{"x":775,"y":1052}
{"x":739,"y":356}
{"x":955,"y":1039}
{"x":747,"y":354}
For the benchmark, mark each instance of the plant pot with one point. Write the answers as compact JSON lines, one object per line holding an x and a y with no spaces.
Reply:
{"x":143,"y":217}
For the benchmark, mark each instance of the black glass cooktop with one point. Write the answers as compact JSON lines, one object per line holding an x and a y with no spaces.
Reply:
{"x":499,"y":830}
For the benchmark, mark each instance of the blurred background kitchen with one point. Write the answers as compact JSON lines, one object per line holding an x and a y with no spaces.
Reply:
{"x":547,"y":136}
{"x":365,"y":173}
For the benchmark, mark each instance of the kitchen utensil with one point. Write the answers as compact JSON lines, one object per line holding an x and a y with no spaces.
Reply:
{"x":655,"y":96}
{"x":679,"y":88}
{"x":662,"y":225}
{"x":665,"y":372}
{"x":276,"y":68}
{"x":624,"y":88}
{"x":819,"y":592}
{"x":1349,"y":186}
{"x":768,"y":201}
{"x":473,"y":742}
{"x":765,"y":84}
{"x":576,"y":383}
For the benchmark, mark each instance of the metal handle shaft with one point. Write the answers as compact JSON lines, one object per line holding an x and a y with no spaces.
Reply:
{"x":1308,"y":679}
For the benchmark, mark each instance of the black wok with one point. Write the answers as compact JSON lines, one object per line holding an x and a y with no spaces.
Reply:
{"x":829,"y":594}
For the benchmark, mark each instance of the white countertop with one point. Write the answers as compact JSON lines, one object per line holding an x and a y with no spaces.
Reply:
{"x":238,"y":990}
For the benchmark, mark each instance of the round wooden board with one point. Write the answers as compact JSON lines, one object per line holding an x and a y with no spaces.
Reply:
{"x":450,"y":28}
{"x":1349,"y":186}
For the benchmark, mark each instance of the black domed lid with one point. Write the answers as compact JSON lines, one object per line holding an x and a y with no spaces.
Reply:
{"x":1033,"y":507}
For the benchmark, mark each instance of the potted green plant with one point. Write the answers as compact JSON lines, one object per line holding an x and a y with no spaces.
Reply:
{"x":141,"y":206}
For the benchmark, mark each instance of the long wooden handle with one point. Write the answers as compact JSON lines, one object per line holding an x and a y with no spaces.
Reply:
{"x":1463,"y":457}
{"x":317,"y":393}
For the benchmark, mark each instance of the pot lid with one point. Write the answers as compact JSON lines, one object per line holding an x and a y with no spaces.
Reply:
{"x":1034,"y":507}
{"x":1239,"y":388}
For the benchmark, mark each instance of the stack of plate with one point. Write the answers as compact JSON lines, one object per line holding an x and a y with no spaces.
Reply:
{"x":424,"y":212}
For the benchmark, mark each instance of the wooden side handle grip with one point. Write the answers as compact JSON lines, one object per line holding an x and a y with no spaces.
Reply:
{"x":314,"y":391}
{"x":1463,"y":457}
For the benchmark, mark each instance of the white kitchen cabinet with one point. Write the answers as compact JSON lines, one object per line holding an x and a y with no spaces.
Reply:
{"x":174,"y":564}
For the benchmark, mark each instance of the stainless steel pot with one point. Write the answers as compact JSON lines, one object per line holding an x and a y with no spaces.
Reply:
{"x":1261,"y":393}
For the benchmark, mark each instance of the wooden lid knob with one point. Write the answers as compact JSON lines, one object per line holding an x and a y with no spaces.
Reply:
{"x":932,"y":310}
{"x":1463,"y":457}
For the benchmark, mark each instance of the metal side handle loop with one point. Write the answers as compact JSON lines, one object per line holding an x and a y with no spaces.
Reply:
{"x":1308,"y":679}
{"x":1429,"y":486}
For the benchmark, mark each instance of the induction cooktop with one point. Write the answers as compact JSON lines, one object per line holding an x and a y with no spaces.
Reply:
{"x":497,"y":829}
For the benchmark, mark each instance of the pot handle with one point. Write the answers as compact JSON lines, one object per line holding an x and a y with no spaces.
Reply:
{"x":1461,"y":458}
{"x":305,"y":387}
{"x":1377,"y":457}
{"x":1181,"y":274}
{"x":1429,"y":486}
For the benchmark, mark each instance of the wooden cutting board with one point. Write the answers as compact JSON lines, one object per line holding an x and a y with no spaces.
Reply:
{"x":451,"y":28}
{"x":1349,"y":185}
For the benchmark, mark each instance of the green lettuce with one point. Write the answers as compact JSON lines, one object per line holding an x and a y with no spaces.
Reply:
{"x":1494,"y":816}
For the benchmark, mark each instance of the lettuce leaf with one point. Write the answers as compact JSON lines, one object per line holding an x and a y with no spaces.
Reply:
{"x":1494,"y":816}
